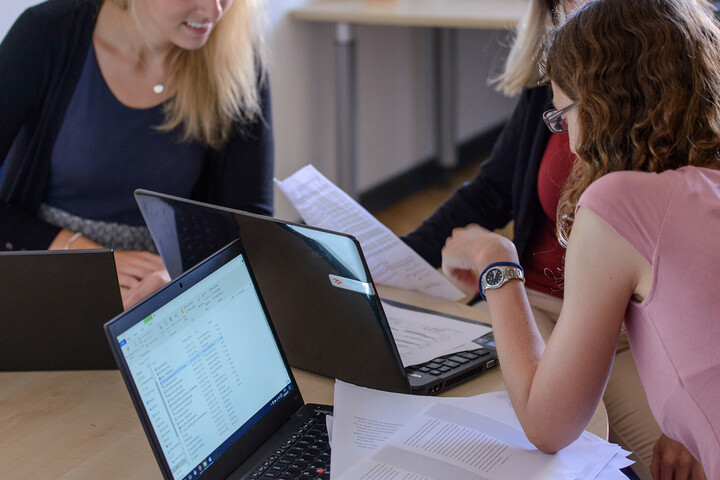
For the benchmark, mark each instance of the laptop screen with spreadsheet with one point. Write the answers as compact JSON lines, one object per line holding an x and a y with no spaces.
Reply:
{"x":205,"y":366}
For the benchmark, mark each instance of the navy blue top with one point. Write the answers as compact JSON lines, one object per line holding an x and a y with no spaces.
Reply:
{"x":96,"y":166}
{"x":41,"y":59}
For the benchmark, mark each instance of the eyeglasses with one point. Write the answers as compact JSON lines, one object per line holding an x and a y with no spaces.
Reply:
{"x":554,"y":118}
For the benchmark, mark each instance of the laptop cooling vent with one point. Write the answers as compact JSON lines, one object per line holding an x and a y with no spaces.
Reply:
{"x":463,"y":377}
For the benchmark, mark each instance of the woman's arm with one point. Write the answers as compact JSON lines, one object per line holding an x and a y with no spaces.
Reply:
{"x":23,"y":61}
{"x":488,"y":199}
{"x":555,"y":389}
{"x":32,"y":64}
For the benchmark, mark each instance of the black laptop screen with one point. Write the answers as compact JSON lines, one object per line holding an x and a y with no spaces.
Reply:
{"x":207,"y":368}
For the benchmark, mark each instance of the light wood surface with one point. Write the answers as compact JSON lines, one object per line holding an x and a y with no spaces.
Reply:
{"x":486,"y":14}
{"x":82,"y":424}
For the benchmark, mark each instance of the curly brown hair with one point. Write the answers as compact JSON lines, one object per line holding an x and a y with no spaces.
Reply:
{"x":646,"y":74}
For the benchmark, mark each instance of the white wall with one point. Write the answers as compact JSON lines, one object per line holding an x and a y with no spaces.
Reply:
{"x":11,"y":9}
{"x":395,"y":123}
{"x":395,"y":105}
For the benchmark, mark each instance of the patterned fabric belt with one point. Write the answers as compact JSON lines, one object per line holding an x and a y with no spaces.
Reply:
{"x":108,"y":234}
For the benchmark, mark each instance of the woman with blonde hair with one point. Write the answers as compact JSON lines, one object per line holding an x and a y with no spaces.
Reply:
{"x":101,"y":97}
{"x":637,"y":87}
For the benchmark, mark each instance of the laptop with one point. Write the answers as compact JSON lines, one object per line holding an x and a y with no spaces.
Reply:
{"x":210,"y":382}
{"x":318,"y":290}
{"x":53,"y":305}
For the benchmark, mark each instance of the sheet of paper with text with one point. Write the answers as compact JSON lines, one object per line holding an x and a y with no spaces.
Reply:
{"x":380,"y":435}
{"x":322,"y":204}
{"x":421,"y":337}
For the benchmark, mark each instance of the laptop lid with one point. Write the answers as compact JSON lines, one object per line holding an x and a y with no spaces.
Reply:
{"x":53,"y":305}
{"x":204,"y":368}
{"x":315,"y":282}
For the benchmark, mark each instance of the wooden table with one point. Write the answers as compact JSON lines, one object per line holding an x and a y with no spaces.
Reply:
{"x":82,"y":424}
{"x":445,"y":16}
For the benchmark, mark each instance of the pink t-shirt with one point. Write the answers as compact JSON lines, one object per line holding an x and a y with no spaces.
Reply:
{"x":672,"y":219}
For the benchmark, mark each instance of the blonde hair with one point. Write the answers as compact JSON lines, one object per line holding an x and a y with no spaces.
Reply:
{"x":521,"y":65}
{"x":217,"y":84}
{"x":646,"y":74}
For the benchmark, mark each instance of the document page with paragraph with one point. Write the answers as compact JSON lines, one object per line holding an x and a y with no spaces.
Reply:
{"x":379,"y":435}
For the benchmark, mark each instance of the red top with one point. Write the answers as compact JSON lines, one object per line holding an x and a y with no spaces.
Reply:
{"x":543,"y":261}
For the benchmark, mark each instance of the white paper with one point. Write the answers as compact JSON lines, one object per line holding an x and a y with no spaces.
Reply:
{"x":421,"y":337}
{"x":391,"y":262}
{"x":364,"y":418}
{"x":378,"y":433}
{"x":611,"y":470}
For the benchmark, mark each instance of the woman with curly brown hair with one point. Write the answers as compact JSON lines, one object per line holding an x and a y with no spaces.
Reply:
{"x":637,"y":86}
{"x":522,"y":181}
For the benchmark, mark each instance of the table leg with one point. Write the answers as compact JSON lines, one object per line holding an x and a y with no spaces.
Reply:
{"x":445,"y":61}
{"x":345,"y":111}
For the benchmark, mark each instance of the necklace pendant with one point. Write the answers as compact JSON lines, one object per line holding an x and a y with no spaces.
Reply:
{"x":158,"y":88}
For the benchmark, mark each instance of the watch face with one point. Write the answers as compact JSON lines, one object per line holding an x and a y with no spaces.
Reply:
{"x":493,"y":277}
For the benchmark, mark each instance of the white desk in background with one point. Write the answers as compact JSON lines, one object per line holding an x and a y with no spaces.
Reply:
{"x":443,"y":15}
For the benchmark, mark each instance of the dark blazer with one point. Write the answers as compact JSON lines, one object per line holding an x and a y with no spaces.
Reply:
{"x":504,"y":189}
{"x":41,"y":59}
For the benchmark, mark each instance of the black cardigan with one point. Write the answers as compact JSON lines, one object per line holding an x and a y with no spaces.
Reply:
{"x":504,"y":189}
{"x":41,"y":59}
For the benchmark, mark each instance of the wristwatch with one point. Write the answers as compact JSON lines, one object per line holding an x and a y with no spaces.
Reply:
{"x":498,"y":274}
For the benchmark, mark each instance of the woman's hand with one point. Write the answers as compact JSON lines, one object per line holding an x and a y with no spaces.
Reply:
{"x":672,"y":461}
{"x":469,"y":250}
{"x":133,"y":267}
{"x":144,"y":287}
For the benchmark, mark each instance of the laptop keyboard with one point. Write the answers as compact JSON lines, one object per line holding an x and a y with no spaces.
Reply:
{"x":305,"y":455}
{"x":447,"y":363}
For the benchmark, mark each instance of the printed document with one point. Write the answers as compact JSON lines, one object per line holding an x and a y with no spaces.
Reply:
{"x":322,"y":204}
{"x":379,"y":435}
{"x":421,"y":336}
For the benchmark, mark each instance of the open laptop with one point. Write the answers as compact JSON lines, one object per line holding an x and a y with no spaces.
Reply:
{"x":53,"y":305}
{"x":318,"y":290}
{"x":210,"y":382}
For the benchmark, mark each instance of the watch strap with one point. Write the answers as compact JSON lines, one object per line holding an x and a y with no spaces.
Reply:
{"x":499,"y":264}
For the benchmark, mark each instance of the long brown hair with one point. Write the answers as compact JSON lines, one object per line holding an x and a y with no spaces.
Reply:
{"x":646,"y":74}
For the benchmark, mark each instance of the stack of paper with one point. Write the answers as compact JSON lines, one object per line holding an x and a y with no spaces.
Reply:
{"x":391,"y":262}
{"x":379,"y":435}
